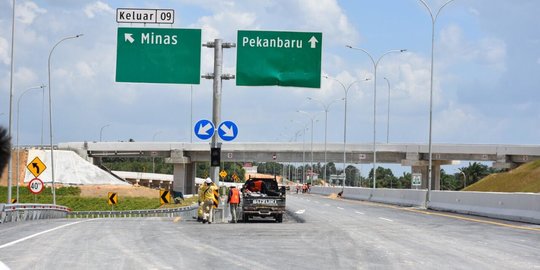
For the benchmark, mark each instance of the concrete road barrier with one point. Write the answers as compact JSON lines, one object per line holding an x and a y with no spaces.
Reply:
{"x":523,"y":207}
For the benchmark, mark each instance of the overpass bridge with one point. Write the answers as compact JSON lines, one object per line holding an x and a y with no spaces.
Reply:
{"x":184,"y":155}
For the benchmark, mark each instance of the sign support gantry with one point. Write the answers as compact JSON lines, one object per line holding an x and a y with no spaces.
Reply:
{"x":217,"y":76}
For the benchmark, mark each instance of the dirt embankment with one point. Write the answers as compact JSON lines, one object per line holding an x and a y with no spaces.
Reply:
{"x":23,"y":156}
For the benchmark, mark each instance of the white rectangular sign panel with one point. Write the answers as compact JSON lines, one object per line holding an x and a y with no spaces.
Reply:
{"x":141,"y":15}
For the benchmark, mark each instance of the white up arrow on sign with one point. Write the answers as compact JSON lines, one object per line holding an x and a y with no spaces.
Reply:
{"x":129,"y":37}
{"x":313,"y":42}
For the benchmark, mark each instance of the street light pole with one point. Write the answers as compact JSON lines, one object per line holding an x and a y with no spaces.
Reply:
{"x":50,"y":112}
{"x":388,"y":119}
{"x":42,"y":87}
{"x":312,"y":117}
{"x":101,"y":131}
{"x":433,"y":21}
{"x":326,"y":107}
{"x":10,"y":173}
{"x":346,"y":90}
{"x":375,"y":64}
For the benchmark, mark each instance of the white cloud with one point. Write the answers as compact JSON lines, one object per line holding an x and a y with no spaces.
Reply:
{"x":92,"y":9}
{"x":4,"y":51}
{"x":27,"y":76}
{"x":474,"y":11}
{"x":488,"y":51}
{"x":28,"y":11}
{"x":85,"y":70}
{"x":326,"y":15}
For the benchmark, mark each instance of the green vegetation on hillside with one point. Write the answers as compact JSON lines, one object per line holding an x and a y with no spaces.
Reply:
{"x":525,"y":178}
{"x":70,"y":197}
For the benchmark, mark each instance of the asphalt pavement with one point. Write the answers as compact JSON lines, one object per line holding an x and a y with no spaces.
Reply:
{"x":321,"y":233}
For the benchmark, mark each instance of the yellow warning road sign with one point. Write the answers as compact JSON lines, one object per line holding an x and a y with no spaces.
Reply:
{"x":36,"y":166}
{"x":113,"y":198}
{"x":164,"y":196}
{"x":223,"y":174}
{"x":216,"y":198}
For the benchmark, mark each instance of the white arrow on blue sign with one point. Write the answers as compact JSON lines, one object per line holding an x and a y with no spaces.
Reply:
{"x":204,"y":129}
{"x":227,"y":131}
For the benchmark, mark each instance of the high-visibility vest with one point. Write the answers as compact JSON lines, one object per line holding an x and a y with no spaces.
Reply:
{"x":235,"y":196}
{"x":257,"y":185}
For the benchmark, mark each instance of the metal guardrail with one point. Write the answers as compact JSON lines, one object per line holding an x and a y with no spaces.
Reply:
{"x":23,"y":212}
{"x":183,"y":212}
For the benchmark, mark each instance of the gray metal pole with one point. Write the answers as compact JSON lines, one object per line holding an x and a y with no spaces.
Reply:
{"x":50,"y":114}
{"x":433,"y":21}
{"x":10,"y":172}
{"x":17,"y":146}
{"x":216,"y":104}
{"x":312,"y":166}
{"x":101,"y":131}
{"x":191,"y":116}
{"x":326,"y":107}
{"x":388,"y":115}
{"x":375,"y":64}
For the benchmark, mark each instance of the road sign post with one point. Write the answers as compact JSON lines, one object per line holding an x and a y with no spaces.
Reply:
{"x":279,"y":58}
{"x":227,"y":130}
{"x":158,"y":55}
{"x":36,"y":166}
{"x":204,"y":129}
{"x":164,"y":196}
{"x":35,"y":186}
{"x":416,"y":180}
{"x":143,"y":15}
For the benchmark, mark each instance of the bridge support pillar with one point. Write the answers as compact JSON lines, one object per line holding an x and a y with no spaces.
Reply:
{"x":421,"y":166}
{"x":184,"y":178}
{"x":183,"y":172}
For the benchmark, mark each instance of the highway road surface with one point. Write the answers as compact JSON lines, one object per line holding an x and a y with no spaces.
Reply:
{"x":323,"y":233}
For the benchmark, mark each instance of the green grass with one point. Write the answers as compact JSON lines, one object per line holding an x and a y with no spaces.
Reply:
{"x":70,"y":197}
{"x":525,"y":178}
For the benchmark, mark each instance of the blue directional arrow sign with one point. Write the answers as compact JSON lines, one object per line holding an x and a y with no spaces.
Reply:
{"x":227,"y":130}
{"x":204,"y":129}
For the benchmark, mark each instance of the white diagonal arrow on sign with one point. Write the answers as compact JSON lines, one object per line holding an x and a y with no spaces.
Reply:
{"x":203,"y":130}
{"x":229,"y":132}
{"x":313,"y":42}
{"x":129,"y":37}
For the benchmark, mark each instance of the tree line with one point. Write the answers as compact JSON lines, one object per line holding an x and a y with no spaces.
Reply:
{"x":235,"y":172}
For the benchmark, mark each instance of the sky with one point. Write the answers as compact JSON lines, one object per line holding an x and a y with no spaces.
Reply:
{"x":485,"y":91}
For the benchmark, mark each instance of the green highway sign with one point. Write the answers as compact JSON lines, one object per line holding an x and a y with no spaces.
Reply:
{"x":158,"y":55}
{"x":278,"y":58}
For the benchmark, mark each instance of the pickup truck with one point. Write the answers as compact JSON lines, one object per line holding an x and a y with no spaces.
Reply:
{"x":262,"y":197}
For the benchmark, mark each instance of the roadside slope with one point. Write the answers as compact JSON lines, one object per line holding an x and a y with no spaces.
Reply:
{"x":525,"y":178}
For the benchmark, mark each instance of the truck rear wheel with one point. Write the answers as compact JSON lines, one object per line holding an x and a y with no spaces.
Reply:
{"x":279,"y":218}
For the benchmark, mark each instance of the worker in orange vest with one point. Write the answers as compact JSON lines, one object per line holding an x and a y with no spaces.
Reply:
{"x":233,"y":200}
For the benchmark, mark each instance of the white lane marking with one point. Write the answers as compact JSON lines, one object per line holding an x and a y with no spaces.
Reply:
{"x":386,"y":219}
{"x":360,"y":213}
{"x":341,"y":208}
{"x":326,"y":204}
{"x":308,"y":200}
{"x":301,"y":211}
{"x":3,"y":266}
{"x":40,"y":233}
